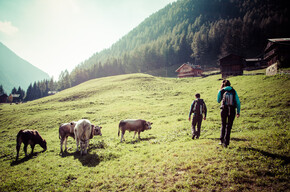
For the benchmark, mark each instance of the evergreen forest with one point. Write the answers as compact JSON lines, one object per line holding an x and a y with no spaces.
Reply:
{"x":196,"y":31}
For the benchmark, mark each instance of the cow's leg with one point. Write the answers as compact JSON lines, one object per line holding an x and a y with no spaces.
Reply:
{"x":122,"y":136}
{"x":139,"y":135}
{"x":17,"y":149}
{"x":82,"y":146}
{"x":86,"y":147}
{"x":134,"y":134}
{"x":25,"y":149}
{"x":77,"y":143}
{"x":32,"y":148}
{"x":61,"y":143}
{"x":65,"y":143}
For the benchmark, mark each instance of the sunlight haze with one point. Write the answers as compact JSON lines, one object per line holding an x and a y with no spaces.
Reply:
{"x":55,"y":35}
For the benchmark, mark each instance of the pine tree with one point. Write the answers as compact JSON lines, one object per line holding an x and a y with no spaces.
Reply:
{"x":1,"y":90}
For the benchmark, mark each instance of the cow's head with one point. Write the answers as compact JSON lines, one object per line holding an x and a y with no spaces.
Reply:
{"x":97,"y":130}
{"x":148,"y":125}
{"x":43,"y":145}
{"x":42,"y":141}
{"x":73,"y":124}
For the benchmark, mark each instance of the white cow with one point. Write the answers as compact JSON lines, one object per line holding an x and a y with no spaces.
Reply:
{"x":84,"y":131}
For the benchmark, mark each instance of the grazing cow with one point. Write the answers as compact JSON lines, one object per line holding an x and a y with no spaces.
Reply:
{"x":137,"y":125}
{"x":84,"y":131}
{"x":65,"y":130}
{"x":31,"y":137}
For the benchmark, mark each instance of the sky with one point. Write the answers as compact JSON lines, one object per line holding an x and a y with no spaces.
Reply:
{"x":57,"y":35}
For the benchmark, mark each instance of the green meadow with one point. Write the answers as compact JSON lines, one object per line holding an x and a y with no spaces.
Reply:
{"x":166,"y":158}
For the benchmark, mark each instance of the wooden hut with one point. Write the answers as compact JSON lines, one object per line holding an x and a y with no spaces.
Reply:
{"x":3,"y":98}
{"x":254,"y":63}
{"x":231,"y":65}
{"x":277,"y":54}
{"x":189,"y":70}
{"x":278,"y":50}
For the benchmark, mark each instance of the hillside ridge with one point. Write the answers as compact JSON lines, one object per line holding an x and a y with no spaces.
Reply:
{"x":16,"y":71}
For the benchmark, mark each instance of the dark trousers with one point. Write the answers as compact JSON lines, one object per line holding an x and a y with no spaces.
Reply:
{"x":196,"y":122}
{"x":228,"y":117}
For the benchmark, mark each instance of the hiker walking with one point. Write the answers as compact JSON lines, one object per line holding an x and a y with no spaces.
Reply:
{"x":198,"y":108}
{"x":229,"y":103}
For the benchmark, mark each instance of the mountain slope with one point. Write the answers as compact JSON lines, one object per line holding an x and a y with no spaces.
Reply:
{"x":16,"y":72}
{"x":166,"y":159}
{"x":199,"y":31}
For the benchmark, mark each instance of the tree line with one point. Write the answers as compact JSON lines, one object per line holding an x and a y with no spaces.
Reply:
{"x":34,"y":91}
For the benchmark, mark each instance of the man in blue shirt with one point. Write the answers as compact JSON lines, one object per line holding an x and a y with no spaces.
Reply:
{"x":198,"y":108}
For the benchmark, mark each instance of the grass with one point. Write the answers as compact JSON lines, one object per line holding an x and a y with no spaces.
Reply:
{"x":166,"y":159}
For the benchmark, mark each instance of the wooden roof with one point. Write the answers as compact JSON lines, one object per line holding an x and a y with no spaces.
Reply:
{"x":190,"y":65}
{"x":285,"y":41}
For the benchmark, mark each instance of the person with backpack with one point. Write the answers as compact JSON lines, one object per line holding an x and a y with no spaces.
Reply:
{"x":198,"y":108}
{"x":230,"y":102}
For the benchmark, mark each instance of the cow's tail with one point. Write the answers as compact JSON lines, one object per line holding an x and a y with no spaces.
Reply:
{"x":59,"y":132}
{"x":83,"y":134}
{"x":19,"y":138}
{"x":121,"y":124}
{"x":85,"y":129}
{"x":18,"y":142}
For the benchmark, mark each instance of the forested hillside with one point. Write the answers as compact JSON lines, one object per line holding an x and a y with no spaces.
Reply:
{"x":198,"y":31}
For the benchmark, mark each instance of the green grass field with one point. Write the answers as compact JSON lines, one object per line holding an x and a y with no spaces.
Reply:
{"x":166,"y":159}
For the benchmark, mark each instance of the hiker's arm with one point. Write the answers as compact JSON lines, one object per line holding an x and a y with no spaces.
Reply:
{"x":238,"y":104}
{"x":205,"y":110}
{"x":219,"y":96}
{"x":190,"y":112}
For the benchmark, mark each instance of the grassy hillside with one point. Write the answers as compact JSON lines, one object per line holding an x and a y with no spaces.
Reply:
{"x":166,"y":159}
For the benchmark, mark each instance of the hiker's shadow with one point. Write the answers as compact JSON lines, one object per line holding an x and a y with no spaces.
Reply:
{"x":233,"y":139}
{"x":285,"y":159}
{"x":239,"y":139}
{"x":24,"y":159}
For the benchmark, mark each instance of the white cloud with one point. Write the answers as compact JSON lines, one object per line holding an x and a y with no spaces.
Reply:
{"x":7,"y":28}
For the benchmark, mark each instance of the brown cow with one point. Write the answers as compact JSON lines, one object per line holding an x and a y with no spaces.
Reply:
{"x":137,"y":125}
{"x":66,"y":130}
{"x":31,"y":137}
